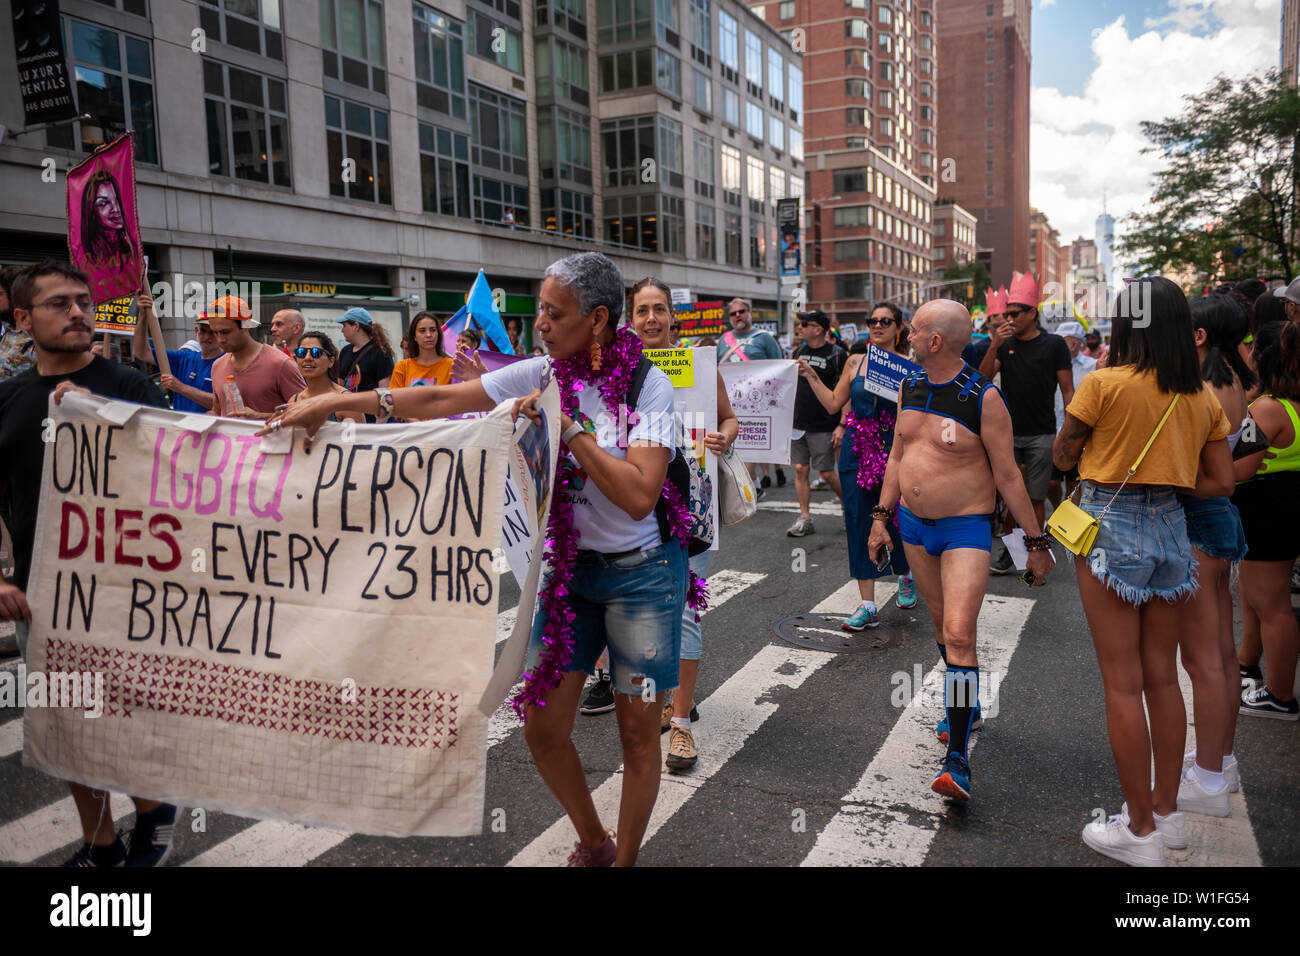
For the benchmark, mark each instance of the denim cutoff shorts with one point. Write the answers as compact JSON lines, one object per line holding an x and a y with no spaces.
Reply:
{"x":1214,"y":526}
{"x":1142,"y":550}
{"x":632,"y":604}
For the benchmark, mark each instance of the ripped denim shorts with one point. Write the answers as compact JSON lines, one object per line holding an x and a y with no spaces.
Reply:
{"x":1142,"y":550}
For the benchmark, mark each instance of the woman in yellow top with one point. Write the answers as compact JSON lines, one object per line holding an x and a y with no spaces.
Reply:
{"x":429,"y":363}
{"x":1269,"y":501}
{"x":1142,"y":560}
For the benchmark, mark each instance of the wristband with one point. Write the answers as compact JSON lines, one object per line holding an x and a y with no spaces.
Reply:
{"x":572,"y":432}
{"x":1041,"y":542}
{"x":880,"y":513}
{"x":385,"y":404}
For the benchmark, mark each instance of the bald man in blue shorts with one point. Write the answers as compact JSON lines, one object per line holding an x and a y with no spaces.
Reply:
{"x":952,"y":451}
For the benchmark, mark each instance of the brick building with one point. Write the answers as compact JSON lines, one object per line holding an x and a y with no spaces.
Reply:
{"x":870,"y":69}
{"x":1048,"y":259}
{"x":984,"y":110}
{"x":954,"y":237}
{"x":1289,"y":61}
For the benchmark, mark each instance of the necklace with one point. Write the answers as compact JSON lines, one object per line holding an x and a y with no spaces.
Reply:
{"x":573,"y":375}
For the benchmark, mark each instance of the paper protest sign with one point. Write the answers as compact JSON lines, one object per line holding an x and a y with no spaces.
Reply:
{"x":695,"y":400}
{"x":762,"y":396}
{"x":885,"y":372}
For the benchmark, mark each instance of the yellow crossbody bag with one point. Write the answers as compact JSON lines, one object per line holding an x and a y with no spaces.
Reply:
{"x":1074,"y":527}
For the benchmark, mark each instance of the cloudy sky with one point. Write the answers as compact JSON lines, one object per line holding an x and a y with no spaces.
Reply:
{"x":1102,"y":66}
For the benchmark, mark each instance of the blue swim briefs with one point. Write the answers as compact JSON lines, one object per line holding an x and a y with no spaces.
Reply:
{"x":938,"y":535}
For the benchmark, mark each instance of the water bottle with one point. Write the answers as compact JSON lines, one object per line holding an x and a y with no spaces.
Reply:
{"x":235,"y":400}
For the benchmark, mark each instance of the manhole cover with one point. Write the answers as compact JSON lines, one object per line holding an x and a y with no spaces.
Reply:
{"x":822,"y":632}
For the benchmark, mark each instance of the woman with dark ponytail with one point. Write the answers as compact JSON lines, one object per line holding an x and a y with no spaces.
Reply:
{"x":1268,"y":497}
{"x":1214,"y":529}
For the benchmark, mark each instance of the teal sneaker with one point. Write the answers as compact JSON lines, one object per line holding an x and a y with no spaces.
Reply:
{"x":864,"y":617}
{"x":906,"y":592}
{"x":976,"y":722}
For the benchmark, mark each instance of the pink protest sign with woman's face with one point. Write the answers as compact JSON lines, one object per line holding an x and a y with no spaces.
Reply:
{"x":103,"y":229}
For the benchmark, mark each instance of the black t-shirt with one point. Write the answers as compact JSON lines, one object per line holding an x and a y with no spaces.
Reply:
{"x":1029,"y":381}
{"x":974,"y":353}
{"x":24,"y":404}
{"x":828,"y":361}
{"x":363,"y":371}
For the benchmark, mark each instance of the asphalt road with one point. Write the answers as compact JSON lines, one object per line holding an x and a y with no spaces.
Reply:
{"x":806,"y":756}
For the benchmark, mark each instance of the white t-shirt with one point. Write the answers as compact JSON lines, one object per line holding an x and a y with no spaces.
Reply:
{"x":1080,"y":365}
{"x":601,"y":524}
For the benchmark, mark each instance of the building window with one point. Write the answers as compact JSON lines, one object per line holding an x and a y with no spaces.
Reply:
{"x":925,"y":18}
{"x":796,"y":91}
{"x":754,"y":62}
{"x":571,"y":15}
{"x":620,"y":20}
{"x":776,"y":184}
{"x":988,"y":56}
{"x":855,"y":88}
{"x":756,"y":184}
{"x":671,"y":167}
{"x":796,"y":144}
{"x":785,"y":10}
{"x":856,"y":117}
{"x":857,"y":57}
{"x":633,"y":221}
{"x":439,"y":62}
{"x":757,"y":245}
{"x":672,"y":221}
{"x":776,"y":77}
{"x":568,"y":212}
{"x":359,"y":135}
{"x":776,"y":133}
{"x":728,"y":41}
{"x":493,"y":199}
{"x":887,"y":72}
{"x":564,"y":145}
{"x":136,"y":7}
{"x":114,"y":76}
{"x":731,"y":239}
{"x":856,"y":287}
{"x":851,"y":216}
{"x":702,"y":93}
{"x":730,"y":107}
{"x":705,"y":249}
{"x":497,"y":132}
{"x":927,"y":114}
{"x":754,"y":120}
{"x":628,"y":143}
{"x":887,"y":99}
{"x":731,"y":177}
{"x":668,"y":73}
{"x":352,"y":42}
{"x":855,"y":27}
{"x":701,"y":27}
{"x":495,"y":41}
{"x":561,"y":69}
{"x":851,"y":250}
{"x":886,"y":43}
{"x":884,"y":14}
{"x":703,"y":155}
{"x":855,"y":142}
{"x":248,"y":127}
{"x":666,"y":21}
{"x":851,"y":180}
{"x":626,"y":70}
{"x":444,"y":171}
{"x":252,"y":25}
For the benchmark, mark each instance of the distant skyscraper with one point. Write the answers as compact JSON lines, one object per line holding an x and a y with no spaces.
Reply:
{"x":984,"y":124}
{"x":1105,"y":246}
{"x":1290,"y":54}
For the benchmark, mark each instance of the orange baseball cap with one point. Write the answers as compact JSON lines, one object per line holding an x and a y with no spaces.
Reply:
{"x":229,"y":307}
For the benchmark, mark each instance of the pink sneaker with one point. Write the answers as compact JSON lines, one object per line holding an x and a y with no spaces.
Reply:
{"x":602,"y":855}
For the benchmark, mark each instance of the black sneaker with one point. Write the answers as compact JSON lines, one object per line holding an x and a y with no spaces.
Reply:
{"x":1258,"y":702}
{"x":1003,"y":565}
{"x":150,"y":842}
{"x":91,"y":856}
{"x":766,"y":482}
{"x":600,"y":698}
{"x":780,"y":478}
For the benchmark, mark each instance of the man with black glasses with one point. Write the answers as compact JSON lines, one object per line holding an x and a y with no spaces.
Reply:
{"x":1034,"y":364}
{"x":744,"y":343}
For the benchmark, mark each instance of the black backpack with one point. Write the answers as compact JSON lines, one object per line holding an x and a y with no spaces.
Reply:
{"x":679,"y":470}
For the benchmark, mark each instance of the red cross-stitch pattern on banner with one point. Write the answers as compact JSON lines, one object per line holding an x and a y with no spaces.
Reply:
{"x":385,"y":716}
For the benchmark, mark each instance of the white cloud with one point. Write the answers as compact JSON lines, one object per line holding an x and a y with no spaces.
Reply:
{"x":1080,"y":145}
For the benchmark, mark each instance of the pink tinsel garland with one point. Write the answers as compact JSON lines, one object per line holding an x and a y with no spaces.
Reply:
{"x":619,"y":360}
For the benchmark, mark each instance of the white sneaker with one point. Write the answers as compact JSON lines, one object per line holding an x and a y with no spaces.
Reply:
{"x":1231,"y":772}
{"x":1194,"y":798}
{"x":1172,"y":827}
{"x":1115,"y":840}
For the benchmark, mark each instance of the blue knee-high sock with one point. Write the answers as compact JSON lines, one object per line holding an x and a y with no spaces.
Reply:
{"x":943,"y":652}
{"x":961,"y":692}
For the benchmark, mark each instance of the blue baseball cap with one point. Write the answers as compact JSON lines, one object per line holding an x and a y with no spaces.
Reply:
{"x":358,"y":315}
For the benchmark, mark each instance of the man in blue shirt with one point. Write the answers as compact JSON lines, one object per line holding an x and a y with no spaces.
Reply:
{"x":191,"y":379}
{"x":744,"y":343}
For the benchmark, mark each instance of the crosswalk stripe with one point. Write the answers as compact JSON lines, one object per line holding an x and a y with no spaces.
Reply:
{"x":11,"y":737}
{"x":891,"y":815}
{"x":45,"y":830}
{"x":736,"y":710}
{"x":1215,"y":841}
{"x":829,"y":508}
{"x":275,"y":843}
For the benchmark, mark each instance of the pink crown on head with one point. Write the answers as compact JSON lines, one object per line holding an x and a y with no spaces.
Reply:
{"x":1024,"y":290}
{"x":996,"y":301}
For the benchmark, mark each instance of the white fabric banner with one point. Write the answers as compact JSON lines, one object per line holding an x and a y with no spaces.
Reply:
{"x":279,"y":634}
{"x":762,"y":396}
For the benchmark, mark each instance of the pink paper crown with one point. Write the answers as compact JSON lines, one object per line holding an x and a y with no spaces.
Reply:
{"x":996,"y":301}
{"x":1024,"y":290}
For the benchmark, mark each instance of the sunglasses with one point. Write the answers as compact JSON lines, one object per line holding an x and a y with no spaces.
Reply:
{"x":738,"y":312}
{"x":877,"y":323}
{"x":315,"y":352}
{"x":1015,"y":313}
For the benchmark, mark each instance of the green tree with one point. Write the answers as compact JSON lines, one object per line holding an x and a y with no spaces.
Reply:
{"x":971,"y":293}
{"x":1225,"y":205}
